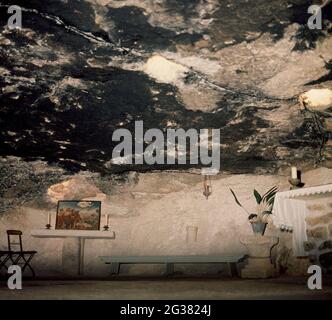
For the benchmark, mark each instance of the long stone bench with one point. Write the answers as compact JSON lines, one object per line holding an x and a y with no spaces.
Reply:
{"x":169,"y":261}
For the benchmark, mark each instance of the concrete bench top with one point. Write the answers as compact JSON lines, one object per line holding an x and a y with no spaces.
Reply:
{"x":172,"y":259}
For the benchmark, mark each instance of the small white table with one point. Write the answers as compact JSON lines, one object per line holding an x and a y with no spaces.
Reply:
{"x":80,"y":235}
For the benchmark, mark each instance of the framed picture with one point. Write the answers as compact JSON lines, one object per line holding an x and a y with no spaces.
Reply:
{"x":78,"y":215}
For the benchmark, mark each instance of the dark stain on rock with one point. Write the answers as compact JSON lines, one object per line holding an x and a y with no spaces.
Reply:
{"x":326,"y":245}
{"x":186,"y":8}
{"x":326,"y":77}
{"x":306,"y":38}
{"x":305,"y":135}
{"x":83,"y":120}
{"x":133,"y":30}
{"x":22,"y":184}
{"x":74,"y":12}
{"x":235,"y":20}
{"x":325,"y":260}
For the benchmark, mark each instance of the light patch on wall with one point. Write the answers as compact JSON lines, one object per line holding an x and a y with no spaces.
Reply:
{"x":205,"y":66}
{"x":316,"y":99}
{"x":199,"y":98}
{"x":164,"y":70}
{"x":77,"y":188}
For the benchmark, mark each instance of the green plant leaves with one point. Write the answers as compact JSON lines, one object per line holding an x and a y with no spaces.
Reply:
{"x":267,"y":198}
{"x":270,"y":193}
{"x":257,"y":196}
{"x":236,"y":200}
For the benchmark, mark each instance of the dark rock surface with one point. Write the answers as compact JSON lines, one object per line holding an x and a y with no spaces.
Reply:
{"x":77,"y":71}
{"x":326,"y":245}
{"x":23,"y":183}
{"x":325,"y":260}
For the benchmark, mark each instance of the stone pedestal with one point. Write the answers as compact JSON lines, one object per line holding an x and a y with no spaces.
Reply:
{"x":71,"y":256}
{"x":259,"y":262}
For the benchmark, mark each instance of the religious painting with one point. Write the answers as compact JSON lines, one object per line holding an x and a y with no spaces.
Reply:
{"x":78,"y":215}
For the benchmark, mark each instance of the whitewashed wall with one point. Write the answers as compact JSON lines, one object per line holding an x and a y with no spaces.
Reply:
{"x":151,"y":216}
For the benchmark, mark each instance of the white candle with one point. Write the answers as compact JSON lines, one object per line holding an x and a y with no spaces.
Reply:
{"x":107,"y":217}
{"x":294,"y":173}
{"x":49,"y":218}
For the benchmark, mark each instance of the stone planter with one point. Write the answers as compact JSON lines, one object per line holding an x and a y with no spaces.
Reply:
{"x":259,"y":264}
{"x":258,"y":227}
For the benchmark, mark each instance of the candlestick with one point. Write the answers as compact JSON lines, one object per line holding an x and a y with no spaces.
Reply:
{"x":106,"y":227}
{"x":48,"y":225}
{"x":295,"y":179}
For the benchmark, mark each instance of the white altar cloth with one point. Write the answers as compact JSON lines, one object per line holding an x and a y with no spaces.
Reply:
{"x":290,"y":211}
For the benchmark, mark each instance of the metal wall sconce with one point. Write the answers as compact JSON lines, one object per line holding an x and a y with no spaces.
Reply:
{"x":207,"y":187}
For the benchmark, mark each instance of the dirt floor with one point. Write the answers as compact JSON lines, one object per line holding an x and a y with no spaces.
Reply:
{"x":190,"y":288}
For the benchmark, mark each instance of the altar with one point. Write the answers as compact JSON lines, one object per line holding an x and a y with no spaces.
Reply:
{"x":73,"y":243}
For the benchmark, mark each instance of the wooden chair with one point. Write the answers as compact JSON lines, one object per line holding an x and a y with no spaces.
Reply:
{"x":16,"y":254}
{"x":4,"y":257}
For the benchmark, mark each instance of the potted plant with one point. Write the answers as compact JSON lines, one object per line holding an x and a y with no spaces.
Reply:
{"x":264,"y":207}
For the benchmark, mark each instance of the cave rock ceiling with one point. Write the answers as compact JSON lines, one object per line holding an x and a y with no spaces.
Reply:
{"x":78,"y":70}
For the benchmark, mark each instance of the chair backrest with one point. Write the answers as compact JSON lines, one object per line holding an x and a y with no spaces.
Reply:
{"x":14,"y":240}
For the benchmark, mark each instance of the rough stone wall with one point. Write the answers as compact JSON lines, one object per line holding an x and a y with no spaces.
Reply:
{"x":319,"y":230}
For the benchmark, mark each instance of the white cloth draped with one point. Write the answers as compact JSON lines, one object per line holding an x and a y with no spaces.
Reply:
{"x":289,"y":212}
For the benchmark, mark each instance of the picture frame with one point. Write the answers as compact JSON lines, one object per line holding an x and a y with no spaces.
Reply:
{"x":78,"y":215}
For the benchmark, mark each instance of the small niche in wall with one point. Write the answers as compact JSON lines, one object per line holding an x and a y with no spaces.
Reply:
{"x":191,"y":235}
